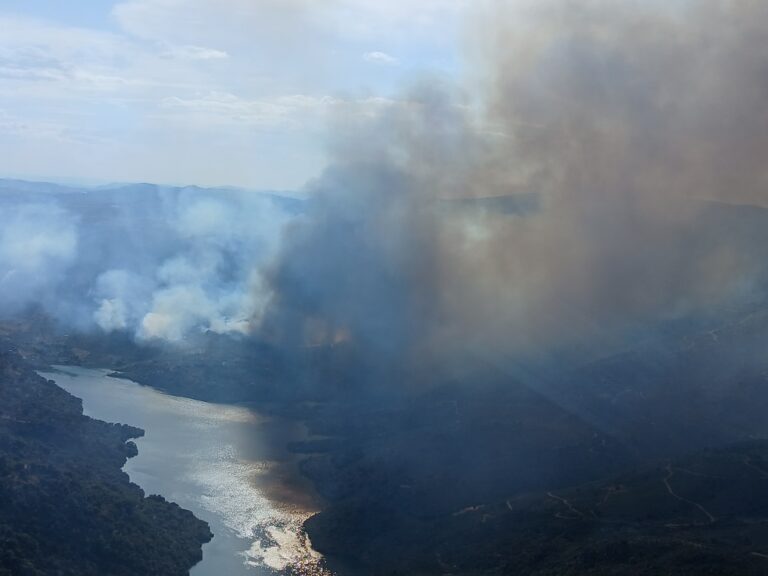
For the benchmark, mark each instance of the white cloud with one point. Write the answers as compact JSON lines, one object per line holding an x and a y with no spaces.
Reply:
{"x":189,"y":52}
{"x":216,"y":108}
{"x":380,"y":58}
{"x":261,"y":76}
{"x":276,"y":22}
{"x":292,"y":112}
{"x":36,"y":54}
{"x":36,"y":130}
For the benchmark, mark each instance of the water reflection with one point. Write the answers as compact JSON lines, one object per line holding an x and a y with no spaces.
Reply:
{"x":225,"y":463}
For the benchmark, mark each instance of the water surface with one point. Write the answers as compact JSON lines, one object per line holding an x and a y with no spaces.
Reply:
{"x":225,"y":463}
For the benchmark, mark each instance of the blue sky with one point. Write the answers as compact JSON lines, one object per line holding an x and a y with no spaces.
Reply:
{"x":209,"y":92}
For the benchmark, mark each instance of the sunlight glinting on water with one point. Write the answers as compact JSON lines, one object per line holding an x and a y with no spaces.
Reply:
{"x":228,"y":490}
{"x":193,"y":453}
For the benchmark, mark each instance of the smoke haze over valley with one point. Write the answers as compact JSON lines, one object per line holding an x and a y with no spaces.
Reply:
{"x":520,"y":301}
{"x":627,"y":125}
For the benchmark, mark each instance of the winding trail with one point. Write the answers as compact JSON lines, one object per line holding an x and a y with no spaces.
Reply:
{"x":670,"y":473}
{"x":567,"y":504}
{"x":748,"y":462}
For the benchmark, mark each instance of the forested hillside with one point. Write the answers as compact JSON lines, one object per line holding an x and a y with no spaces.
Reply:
{"x":66,"y":507}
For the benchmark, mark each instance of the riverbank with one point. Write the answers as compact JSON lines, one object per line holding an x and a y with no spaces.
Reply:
{"x":224,"y":462}
{"x":66,"y":504}
{"x":481,"y":472}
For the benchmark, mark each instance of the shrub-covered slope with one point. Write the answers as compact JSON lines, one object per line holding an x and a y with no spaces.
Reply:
{"x":66,"y":507}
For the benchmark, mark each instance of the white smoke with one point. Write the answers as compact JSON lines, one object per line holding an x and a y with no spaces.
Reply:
{"x":38,"y":243}
{"x":210,"y":283}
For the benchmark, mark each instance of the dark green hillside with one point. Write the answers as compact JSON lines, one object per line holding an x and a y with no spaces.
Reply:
{"x":66,"y":508}
{"x":703,"y":515}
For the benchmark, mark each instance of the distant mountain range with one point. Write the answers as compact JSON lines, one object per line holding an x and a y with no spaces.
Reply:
{"x":24,"y":191}
{"x":643,"y":455}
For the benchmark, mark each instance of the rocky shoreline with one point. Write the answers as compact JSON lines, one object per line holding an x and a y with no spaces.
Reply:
{"x":66,"y":506}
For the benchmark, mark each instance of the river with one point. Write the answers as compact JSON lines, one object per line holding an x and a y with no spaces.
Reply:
{"x":227,"y":464}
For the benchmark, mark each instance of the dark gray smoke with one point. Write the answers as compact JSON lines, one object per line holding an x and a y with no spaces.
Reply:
{"x":624,"y":120}
{"x":562,"y":193}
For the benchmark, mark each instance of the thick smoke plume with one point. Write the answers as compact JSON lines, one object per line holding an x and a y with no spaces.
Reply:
{"x":625,"y":121}
{"x":159,"y":263}
{"x":565,"y":192}
{"x":210,"y":281}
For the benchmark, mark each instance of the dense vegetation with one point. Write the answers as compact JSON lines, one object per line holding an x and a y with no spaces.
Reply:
{"x":703,"y":515}
{"x":647,"y":458}
{"x":649,"y":461}
{"x":66,"y":507}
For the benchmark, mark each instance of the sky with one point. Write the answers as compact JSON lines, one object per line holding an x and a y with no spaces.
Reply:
{"x":206,"y":92}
